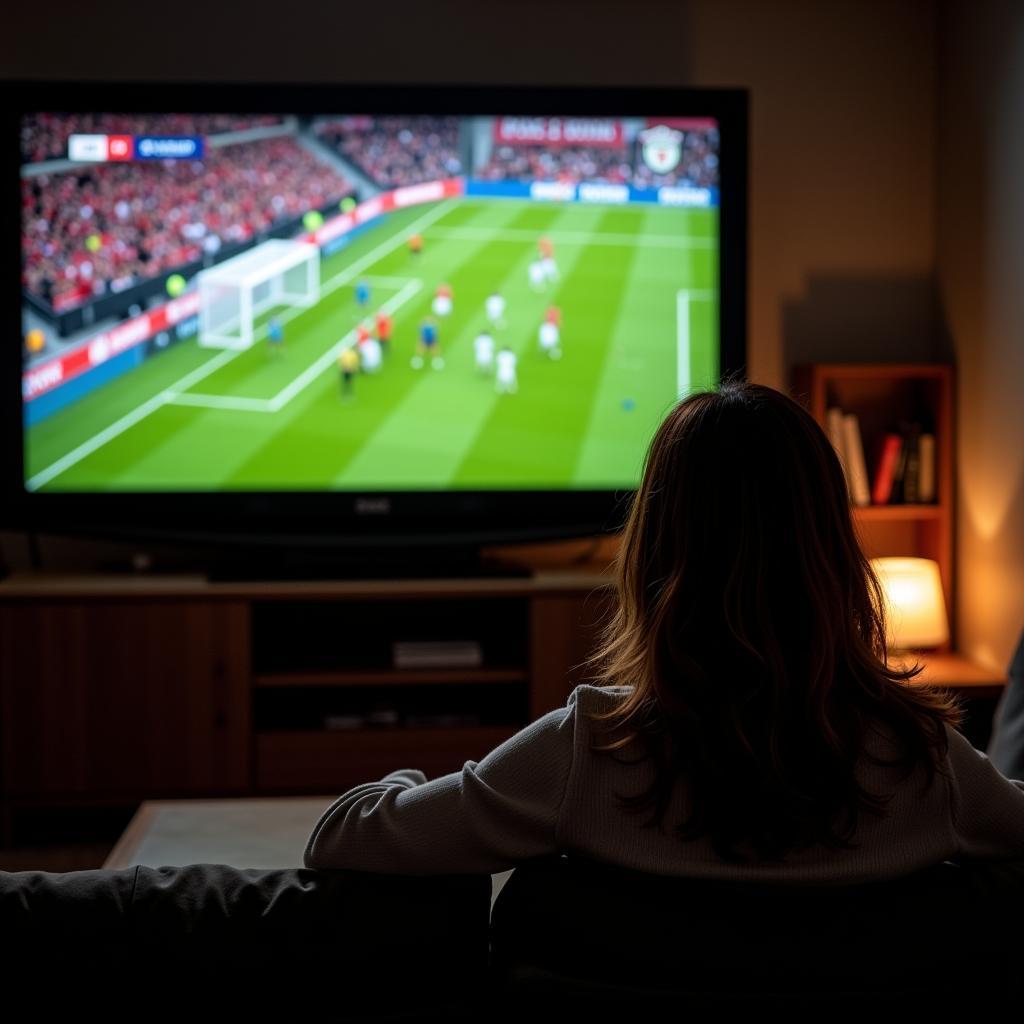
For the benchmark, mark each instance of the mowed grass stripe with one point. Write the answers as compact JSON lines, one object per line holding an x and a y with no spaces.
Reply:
{"x":316,"y":439}
{"x":638,"y":384}
{"x":424,"y":440}
{"x":533,"y":438}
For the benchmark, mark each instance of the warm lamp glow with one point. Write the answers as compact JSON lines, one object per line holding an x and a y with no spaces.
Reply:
{"x":915,"y":609}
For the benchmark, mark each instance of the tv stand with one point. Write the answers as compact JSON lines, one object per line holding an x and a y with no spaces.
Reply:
{"x":367,"y":563}
{"x":120,"y":688}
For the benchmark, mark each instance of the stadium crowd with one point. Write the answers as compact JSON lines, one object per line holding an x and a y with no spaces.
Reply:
{"x":45,"y":136}
{"x":110,"y":226}
{"x":619,"y":165}
{"x":396,"y":151}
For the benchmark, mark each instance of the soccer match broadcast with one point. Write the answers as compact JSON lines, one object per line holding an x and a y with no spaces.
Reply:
{"x":216,"y":302}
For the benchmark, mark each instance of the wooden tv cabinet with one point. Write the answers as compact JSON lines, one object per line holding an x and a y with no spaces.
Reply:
{"x":119,"y":689}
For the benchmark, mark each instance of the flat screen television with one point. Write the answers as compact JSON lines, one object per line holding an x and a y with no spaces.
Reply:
{"x":348,"y":315}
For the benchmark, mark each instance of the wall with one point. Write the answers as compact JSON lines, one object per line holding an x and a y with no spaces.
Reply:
{"x":842,"y":117}
{"x":980,"y":257}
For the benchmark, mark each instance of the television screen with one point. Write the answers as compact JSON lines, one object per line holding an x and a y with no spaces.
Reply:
{"x":360,"y":300}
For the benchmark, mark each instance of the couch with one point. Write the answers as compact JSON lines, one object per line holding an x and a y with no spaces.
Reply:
{"x":566,"y":934}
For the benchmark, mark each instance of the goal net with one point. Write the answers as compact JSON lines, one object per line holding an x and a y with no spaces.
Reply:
{"x":234,"y":294}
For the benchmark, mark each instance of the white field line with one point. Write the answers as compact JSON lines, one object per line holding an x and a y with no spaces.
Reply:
{"x":118,"y":427}
{"x":44,"y":476}
{"x":575,"y":237}
{"x":304,"y":379}
{"x":682,"y":344}
{"x":683,"y":299}
{"x":222,"y":402}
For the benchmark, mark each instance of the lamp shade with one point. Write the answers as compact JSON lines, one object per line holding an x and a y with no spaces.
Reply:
{"x":915,"y":608}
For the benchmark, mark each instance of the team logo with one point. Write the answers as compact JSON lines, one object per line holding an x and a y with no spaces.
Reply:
{"x":662,"y":148}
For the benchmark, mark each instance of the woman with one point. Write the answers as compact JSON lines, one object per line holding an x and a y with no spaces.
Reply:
{"x":744,"y":700}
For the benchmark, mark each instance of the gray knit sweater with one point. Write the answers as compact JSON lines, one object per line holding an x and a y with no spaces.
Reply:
{"x":543,"y":791}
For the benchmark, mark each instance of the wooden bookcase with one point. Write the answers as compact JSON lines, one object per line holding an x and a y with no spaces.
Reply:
{"x":883,"y":395}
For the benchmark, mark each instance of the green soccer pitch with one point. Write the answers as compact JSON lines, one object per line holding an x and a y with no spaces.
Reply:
{"x":638,"y":294}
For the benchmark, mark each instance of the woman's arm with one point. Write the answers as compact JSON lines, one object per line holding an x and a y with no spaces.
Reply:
{"x":483,"y":819}
{"x":987,"y":809}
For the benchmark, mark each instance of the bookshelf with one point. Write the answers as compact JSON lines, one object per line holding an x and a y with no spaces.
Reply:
{"x":883,"y":395}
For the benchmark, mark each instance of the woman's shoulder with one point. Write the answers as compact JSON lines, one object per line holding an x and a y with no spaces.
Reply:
{"x":588,"y":697}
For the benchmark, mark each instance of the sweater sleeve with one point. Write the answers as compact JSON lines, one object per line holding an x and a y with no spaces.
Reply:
{"x":485,"y":818}
{"x":987,"y":809}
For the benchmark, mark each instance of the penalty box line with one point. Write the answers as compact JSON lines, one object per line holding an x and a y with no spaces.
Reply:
{"x":126,"y":422}
{"x":304,"y":379}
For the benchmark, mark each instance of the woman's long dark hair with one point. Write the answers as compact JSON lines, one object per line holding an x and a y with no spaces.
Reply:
{"x":751,"y":629}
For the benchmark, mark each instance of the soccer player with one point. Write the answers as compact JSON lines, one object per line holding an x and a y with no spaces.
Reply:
{"x":505,"y":382}
{"x":362,"y":297}
{"x":348,"y":365}
{"x":275,"y":334}
{"x":428,"y":346}
{"x":496,"y":309}
{"x":549,"y":340}
{"x":443,"y":300}
{"x":362,"y":335}
{"x":483,"y":347}
{"x":548,"y":266}
{"x":370,"y":355}
{"x":415,"y":245}
{"x":537,"y":275}
{"x":383,"y":324}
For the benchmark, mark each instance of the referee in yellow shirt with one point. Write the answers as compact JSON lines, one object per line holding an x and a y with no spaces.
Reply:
{"x":348,"y":364}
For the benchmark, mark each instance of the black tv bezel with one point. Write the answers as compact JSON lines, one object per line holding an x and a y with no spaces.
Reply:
{"x":316,"y":518}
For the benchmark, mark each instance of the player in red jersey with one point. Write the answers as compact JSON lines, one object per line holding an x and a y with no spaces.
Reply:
{"x":362,"y":334}
{"x":383,"y":325}
{"x":443,"y":300}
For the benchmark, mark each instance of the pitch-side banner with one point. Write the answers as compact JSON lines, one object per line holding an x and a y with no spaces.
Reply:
{"x":592,"y":132}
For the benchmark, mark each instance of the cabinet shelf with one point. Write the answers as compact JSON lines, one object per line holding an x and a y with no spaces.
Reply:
{"x":392,"y":677}
{"x":898,"y":513}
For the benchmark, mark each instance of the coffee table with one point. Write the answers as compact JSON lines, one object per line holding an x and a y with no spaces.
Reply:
{"x":255,"y":832}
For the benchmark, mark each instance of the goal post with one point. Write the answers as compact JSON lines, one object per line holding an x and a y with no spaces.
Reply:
{"x":233,"y":294}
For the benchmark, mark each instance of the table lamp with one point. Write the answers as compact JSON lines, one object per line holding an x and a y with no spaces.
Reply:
{"x":915,"y":609}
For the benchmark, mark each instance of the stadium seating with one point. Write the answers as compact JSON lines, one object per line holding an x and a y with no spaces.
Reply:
{"x":565,"y":934}
{"x":396,"y":151}
{"x":109,"y":226}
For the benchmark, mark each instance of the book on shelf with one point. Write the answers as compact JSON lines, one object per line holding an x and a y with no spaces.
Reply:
{"x":905,"y":467}
{"x":912,"y":468}
{"x":856,"y":469}
{"x":885,"y":469}
{"x":834,"y":426}
{"x":926,"y":468}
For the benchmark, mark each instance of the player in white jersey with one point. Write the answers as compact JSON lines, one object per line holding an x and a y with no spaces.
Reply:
{"x":537,"y":275}
{"x":496,"y":309}
{"x":505,"y":382}
{"x":549,"y":340}
{"x":550,"y":269}
{"x":370,"y":353}
{"x":483,"y":347}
